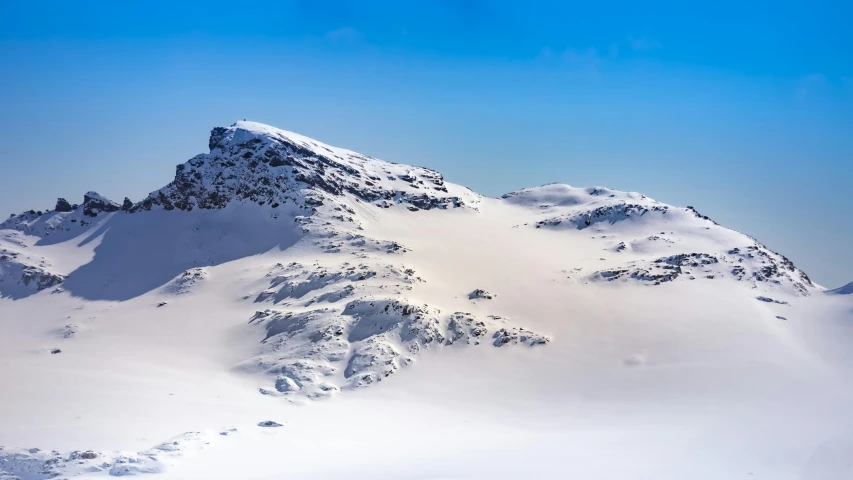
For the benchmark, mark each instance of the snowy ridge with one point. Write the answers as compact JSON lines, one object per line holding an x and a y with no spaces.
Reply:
{"x":255,"y":162}
{"x":845,"y":290}
{"x":637,"y":220}
{"x":290,"y":271}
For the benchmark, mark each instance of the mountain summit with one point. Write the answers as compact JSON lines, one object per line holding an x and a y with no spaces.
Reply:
{"x":265,"y":165}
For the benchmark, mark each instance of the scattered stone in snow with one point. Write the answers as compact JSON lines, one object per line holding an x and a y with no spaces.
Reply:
{"x":770,"y":300}
{"x":185,"y":282}
{"x":269,"y":423}
{"x":69,"y":331}
{"x":87,"y":455}
{"x":516,"y":335}
{"x":781,"y":317}
{"x":479,"y":293}
{"x":161,"y":304}
{"x":54,"y":351}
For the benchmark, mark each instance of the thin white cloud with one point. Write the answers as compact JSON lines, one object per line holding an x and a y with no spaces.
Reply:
{"x":809,"y":85}
{"x":642,"y":43}
{"x":344,"y":35}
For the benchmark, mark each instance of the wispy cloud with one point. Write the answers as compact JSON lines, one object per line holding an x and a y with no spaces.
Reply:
{"x":579,"y":60}
{"x":588,"y":60}
{"x":592,"y":59}
{"x":642,"y":43}
{"x":586,"y":57}
{"x":344,"y":35}
{"x":810,"y":85}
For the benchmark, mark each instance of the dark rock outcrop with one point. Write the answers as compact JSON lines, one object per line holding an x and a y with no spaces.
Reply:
{"x":62,"y":205}
{"x":94,"y":203}
{"x":267,"y":166}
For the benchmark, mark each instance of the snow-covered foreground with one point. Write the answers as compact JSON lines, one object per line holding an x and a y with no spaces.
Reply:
{"x":287,"y":309}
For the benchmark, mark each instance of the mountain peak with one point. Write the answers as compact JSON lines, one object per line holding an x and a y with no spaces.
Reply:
{"x":250,"y":161}
{"x":246,"y":132}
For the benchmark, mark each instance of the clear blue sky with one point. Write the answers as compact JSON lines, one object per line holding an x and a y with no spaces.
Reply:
{"x":741,"y":109}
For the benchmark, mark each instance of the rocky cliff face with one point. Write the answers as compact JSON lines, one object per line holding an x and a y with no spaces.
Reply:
{"x":260,"y":164}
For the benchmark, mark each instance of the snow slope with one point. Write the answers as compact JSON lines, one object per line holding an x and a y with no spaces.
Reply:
{"x":845,"y":290}
{"x":283,"y":302}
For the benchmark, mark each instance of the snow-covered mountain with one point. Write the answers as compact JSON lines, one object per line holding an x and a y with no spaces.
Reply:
{"x":845,"y":290}
{"x":276,"y":270}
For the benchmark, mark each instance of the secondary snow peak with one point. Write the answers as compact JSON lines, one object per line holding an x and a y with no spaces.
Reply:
{"x":845,"y":290}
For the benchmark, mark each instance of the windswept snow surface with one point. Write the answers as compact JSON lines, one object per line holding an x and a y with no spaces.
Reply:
{"x":288,"y":309}
{"x":845,"y":290}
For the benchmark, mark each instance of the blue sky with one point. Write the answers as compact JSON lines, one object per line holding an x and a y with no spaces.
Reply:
{"x":741,"y":109}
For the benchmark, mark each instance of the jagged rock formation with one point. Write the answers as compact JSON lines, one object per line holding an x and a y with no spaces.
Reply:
{"x":94,"y":203}
{"x":261,"y":164}
{"x":754,"y":263}
{"x":609,"y":213}
{"x":65,"y":217}
{"x":338,"y":327}
{"x":62,"y":205}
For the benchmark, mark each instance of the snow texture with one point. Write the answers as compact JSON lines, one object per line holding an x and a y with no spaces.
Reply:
{"x":276,"y":270}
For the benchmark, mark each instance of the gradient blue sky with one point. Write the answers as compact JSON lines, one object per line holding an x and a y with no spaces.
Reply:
{"x":741,"y":109}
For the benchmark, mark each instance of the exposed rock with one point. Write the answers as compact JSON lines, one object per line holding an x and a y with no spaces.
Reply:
{"x":87,"y":455}
{"x":62,"y":205}
{"x":770,"y":300}
{"x":479,"y":293}
{"x":753,"y":263}
{"x":261,"y":164}
{"x":185,"y":282}
{"x":608,"y":213}
{"x":368,"y":340}
{"x":699,"y":215}
{"x":22,"y":275}
{"x":269,"y":423}
{"x":94,"y":203}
